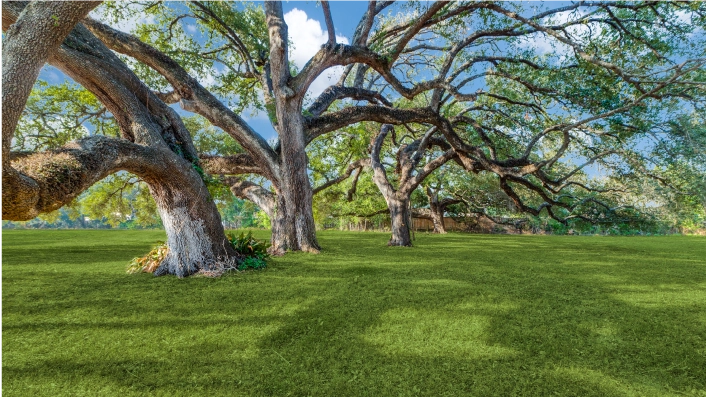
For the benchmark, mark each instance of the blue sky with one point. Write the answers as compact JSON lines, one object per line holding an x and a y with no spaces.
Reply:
{"x":307,"y":31}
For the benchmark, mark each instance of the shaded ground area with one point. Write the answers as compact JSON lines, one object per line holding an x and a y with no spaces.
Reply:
{"x":456,"y":315}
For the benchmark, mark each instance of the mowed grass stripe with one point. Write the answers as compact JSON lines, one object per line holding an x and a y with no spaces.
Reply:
{"x":456,"y":315}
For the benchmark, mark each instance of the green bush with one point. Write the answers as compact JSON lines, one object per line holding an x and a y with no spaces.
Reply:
{"x":254,"y":250}
{"x":252,"y":262}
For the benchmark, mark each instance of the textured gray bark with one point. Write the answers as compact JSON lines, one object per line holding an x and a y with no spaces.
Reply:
{"x":437,"y":217}
{"x":400,"y":217}
{"x":295,"y":229}
{"x":28,"y":43}
{"x":293,"y":222}
{"x":29,"y":40}
{"x":437,"y":208}
{"x":194,"y":231}
{"x":247,"y":190}
{"x":275,"y":207}
{"x":294,"y":188}
{"x":153,"y":135}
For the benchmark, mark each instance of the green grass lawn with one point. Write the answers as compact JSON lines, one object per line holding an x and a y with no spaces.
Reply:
{"x":457,"y":315}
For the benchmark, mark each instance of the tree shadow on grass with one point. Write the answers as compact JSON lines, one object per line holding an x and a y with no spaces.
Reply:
{"x":434,"y":320}
{"x":493,"y":341}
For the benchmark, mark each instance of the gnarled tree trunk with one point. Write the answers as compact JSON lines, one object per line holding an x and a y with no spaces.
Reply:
{"x":295,"y":208}
{"x":155,"y":144}
{"x":437,"y":216}
{"x":195,"y":236}
{"x":400,"y":218}
{"x":398,"y":200}
{"x":294,"y":192}
{"x":290,"y":211}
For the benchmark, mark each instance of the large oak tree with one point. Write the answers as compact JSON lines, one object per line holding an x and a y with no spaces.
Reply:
{"x":476,"y":73}
{"x":154,"y":145}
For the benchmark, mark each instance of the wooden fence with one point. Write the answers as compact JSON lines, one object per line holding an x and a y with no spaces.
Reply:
{"x":476,"y":225}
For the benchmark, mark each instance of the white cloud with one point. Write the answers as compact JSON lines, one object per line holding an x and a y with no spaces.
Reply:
{"x":683,"y":16}
{"x":307,"y":36}
{"x":328,"y":78}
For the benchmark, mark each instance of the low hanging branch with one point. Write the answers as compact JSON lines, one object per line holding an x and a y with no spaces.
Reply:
{"x":155,"y":146}
{"x":57,"y":177}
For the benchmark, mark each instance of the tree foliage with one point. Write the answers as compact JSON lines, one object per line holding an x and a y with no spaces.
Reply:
{"x":575,"y":112}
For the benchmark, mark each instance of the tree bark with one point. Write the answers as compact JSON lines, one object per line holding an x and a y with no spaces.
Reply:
{"x":437,"y":216}
{"x":398,"y":200}
{"x":295,"y":195}
{"x":272,"y":204}
{"x":156,"y":147}
{"x":30,"y":39}
{"x":195,"y":236}
{"x":437,"y":208}
{"x":400,"y":218}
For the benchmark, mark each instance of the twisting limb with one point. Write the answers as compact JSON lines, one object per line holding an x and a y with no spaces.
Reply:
{"x":156,"y":147}
{"x":247,"y":190}
{"x":30,"y":40}
{"x":356,"y":165}
{"x":61,"y":175}
{"x":192,"y":93}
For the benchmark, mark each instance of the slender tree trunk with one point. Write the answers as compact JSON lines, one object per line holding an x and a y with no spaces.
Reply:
{"x":400,"y":218}
{"x":437,"y":217}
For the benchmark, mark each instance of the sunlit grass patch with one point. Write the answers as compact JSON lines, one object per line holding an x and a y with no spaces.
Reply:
{"x":664,"y":295}
{"x":434,"y":333}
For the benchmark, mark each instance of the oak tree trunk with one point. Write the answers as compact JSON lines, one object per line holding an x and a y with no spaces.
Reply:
{"x":437,"y":217}
{"x":195,"y":235}
{"x":294,"y":228}
{"x":400,"y":218}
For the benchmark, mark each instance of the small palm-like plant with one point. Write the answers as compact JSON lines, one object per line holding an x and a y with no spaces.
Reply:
{"x":149,"y":262}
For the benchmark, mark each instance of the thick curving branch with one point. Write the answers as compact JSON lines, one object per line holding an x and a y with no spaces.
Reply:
{"x":199,"y":99}
{"x":247,"y":190}
{"x":379,"y":173}
{"x":230,"y":165}
{"x":59,"y":176}
{"x":30,"y":39}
